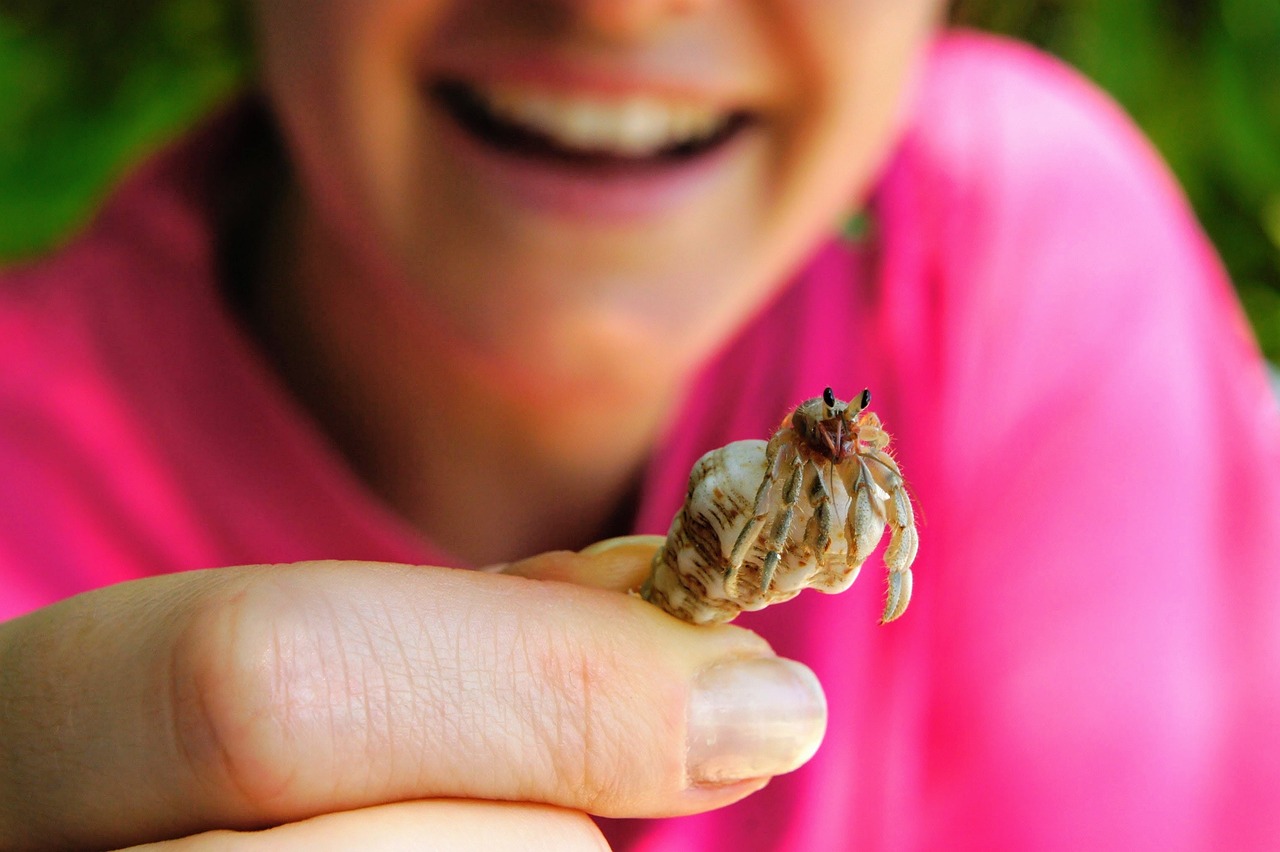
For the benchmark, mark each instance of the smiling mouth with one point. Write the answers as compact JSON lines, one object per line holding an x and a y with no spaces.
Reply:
{"x":585,"y":131}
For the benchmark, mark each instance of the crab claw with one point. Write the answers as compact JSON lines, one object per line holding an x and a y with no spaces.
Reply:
{"x":901,"y":551}
{"x":899,"y":595}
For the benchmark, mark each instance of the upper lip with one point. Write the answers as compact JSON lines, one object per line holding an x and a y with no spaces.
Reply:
{"x":605,"y":83}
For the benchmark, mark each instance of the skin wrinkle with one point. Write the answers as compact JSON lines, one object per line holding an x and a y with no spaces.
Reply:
{"x":574,"y":671}
{"x":460,"y":722}
{"x":479,"y":648}
{"x":540,"y":711}
{"x":165,"y":615}
{"x":410,"y":683}
{"x":489,"y":652}
{"x":373,"y":661}
{"x":173,"y":719}
{"x":404,"y":737}
{"x":614,"y":665}
{"x":553,"y":684}
{"x":584,"y":676}
{"x":339,"y":659}
{"x":567,"y":735}
{"x":525,"y":706}
{"x":508,"y":651}
{"x":457,"y":722}
{"x":316,"y":689}
{"x":224,"y":690}
{"x":401,"y":651}
{"x":210,"y":651}
{"x":374,"y":693}
{"x":273,"y":726}
{"x":284,"y":684}
{"x":594,"y":733}
{"x":314,"y":651}
{"x":428,"y":660}
{"x":247,"y":672}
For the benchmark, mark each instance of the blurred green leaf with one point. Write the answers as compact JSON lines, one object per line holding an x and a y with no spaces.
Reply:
{"x":73,"y":121}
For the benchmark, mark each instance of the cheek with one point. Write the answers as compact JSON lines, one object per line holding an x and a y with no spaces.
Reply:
{"x":853,"y":62}
{"x":340,"y":74}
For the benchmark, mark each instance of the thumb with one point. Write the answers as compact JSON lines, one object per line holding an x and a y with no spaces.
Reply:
{"x":444,"y":825}
{"x":616,"y":564}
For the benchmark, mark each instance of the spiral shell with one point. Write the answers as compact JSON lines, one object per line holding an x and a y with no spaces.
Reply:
{"x":763,"y":521}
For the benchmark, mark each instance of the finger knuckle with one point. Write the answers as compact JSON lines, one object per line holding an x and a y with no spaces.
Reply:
{"x":232,"y":709}
{"x":584,"y":733}
{"x":569,"y":735}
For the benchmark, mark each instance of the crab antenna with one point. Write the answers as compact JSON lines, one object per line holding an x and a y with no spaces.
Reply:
{"x":826,"y":437}
{"x":829,"y":397}
{"x":866,"y":398}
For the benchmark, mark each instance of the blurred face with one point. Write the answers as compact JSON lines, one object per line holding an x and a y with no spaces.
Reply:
{"x":568,"y":183}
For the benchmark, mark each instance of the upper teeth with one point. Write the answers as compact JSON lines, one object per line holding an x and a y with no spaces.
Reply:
{"x":634,"y":126}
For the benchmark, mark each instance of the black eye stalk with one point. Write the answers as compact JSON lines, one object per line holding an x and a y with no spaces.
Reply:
{"x":829,"y":397}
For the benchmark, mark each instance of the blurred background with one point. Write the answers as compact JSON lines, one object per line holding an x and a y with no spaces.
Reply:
{"x":86,"y":89}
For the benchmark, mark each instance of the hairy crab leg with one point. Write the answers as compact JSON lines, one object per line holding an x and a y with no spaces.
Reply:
{"x":817,"y":534}
{"x":902,"y":547}
{"x":772,"y":463}
{"x":782,"y":527}
{"x":865,"y":524}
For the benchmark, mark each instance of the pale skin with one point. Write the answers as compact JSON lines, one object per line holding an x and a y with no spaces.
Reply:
{"x":549,"y":351}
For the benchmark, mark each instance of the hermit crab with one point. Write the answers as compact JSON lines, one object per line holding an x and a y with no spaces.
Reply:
{"x":762,"y":520}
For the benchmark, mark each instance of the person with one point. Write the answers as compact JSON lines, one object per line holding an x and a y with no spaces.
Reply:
{"x":472,"y":286}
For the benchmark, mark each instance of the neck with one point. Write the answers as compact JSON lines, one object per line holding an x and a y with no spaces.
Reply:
{"x":490,"y":461}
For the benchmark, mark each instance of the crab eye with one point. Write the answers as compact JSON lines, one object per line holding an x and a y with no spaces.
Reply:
{"x":829,"y":397}
{"x":866,"y":399}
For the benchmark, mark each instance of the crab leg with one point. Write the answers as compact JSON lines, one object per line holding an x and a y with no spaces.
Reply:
{"x":782,"y":527}
{"x":817,"y":534}
{"x":865,"y":524}
{"x":902,"y":548}
{"x":772,"y":462}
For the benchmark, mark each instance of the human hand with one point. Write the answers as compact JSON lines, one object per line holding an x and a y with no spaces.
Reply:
{"x":250,"y":697}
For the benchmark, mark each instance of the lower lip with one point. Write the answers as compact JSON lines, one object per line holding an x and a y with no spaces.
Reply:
{"x":604,"y":195}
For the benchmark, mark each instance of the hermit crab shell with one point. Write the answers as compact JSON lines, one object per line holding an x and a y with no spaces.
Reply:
{"x":688,"y":576}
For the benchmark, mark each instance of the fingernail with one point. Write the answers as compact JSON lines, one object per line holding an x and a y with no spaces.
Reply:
{"x":641,"y":542}
{"x":753,"y":718}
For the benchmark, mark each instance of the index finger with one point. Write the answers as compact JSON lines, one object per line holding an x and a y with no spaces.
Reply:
{"x":251,"y":697}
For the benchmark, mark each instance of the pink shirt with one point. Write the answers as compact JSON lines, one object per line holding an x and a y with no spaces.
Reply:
{"x":1091,"y":659}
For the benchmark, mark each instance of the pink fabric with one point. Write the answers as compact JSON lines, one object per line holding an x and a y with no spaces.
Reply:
{"x":1091,"y":659}
{"x":140,"y":432}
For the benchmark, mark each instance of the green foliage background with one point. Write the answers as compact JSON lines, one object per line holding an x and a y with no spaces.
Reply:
{"x":87,"y":88}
